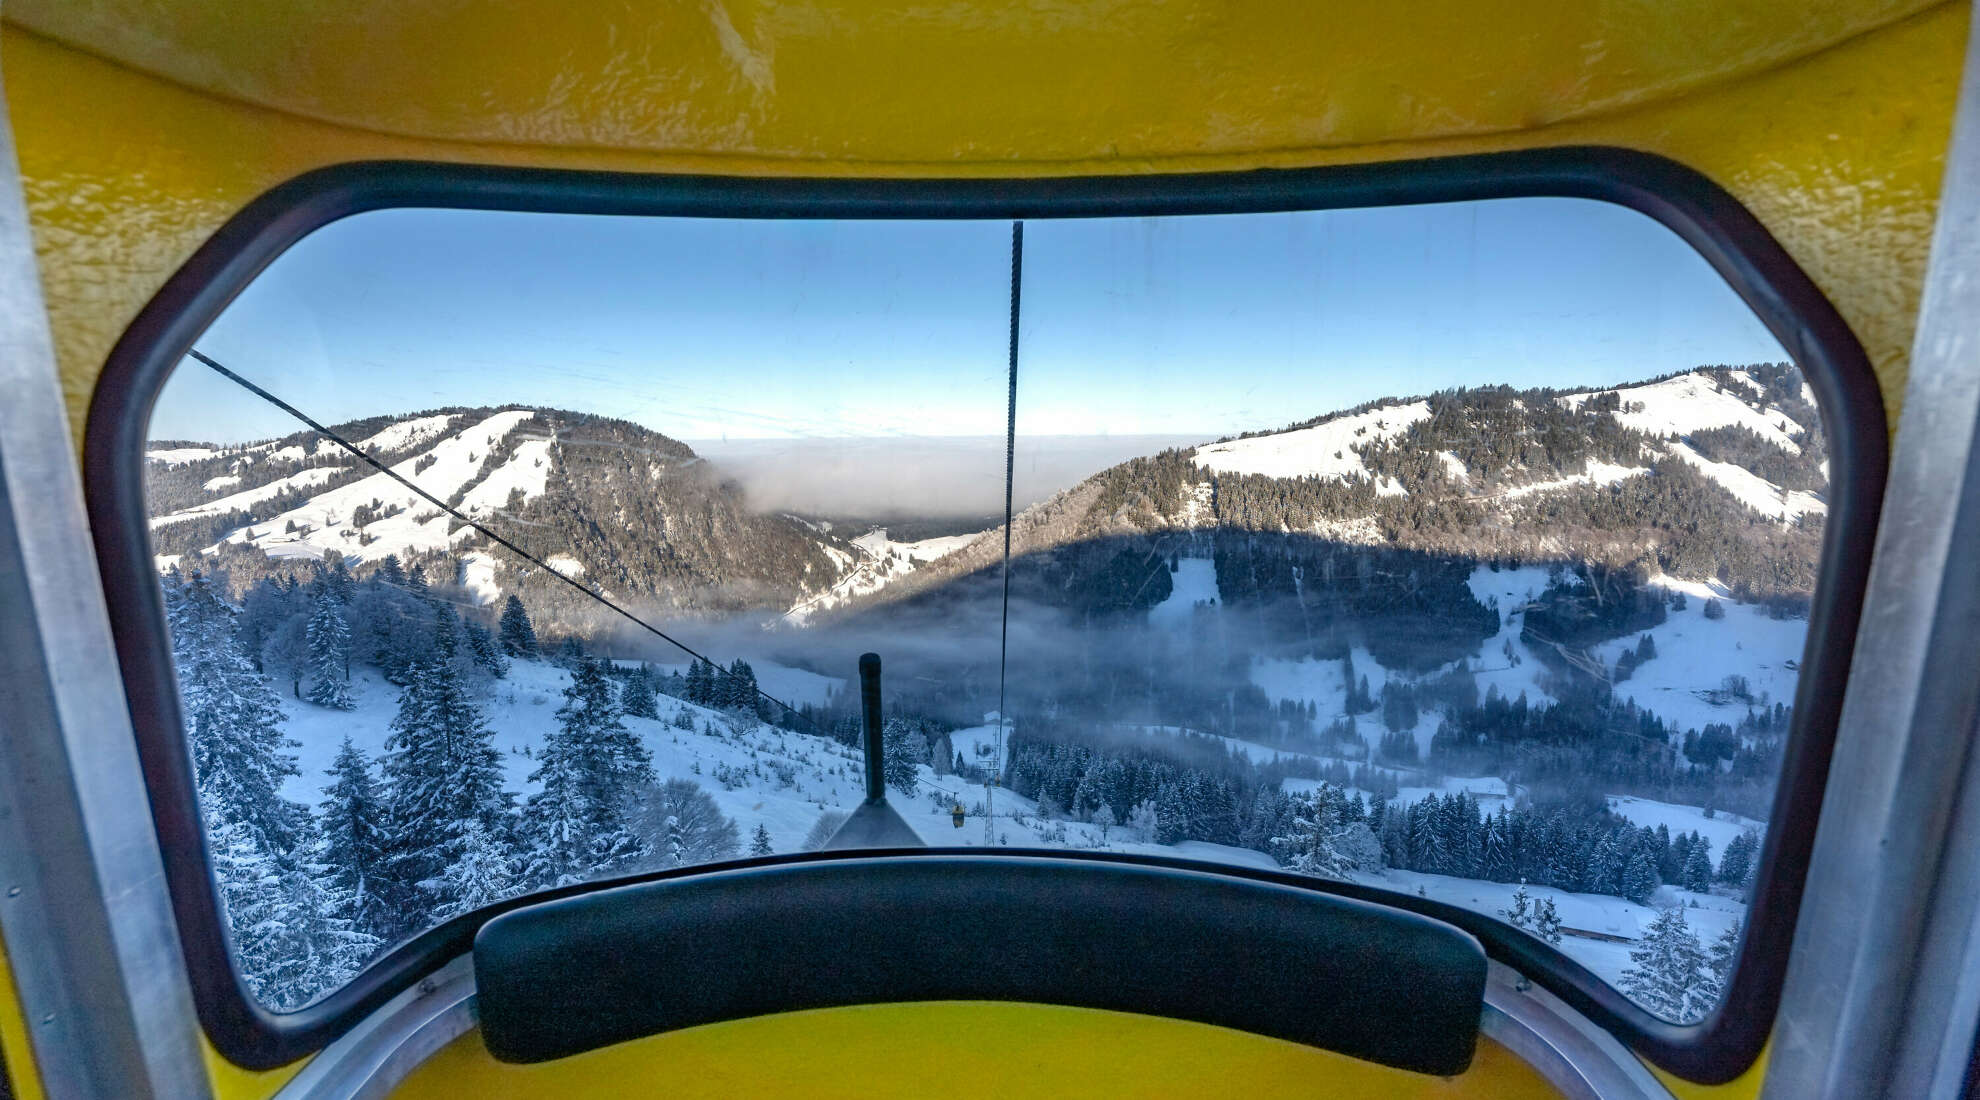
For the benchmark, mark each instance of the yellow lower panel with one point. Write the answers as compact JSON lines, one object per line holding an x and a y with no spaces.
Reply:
{"x":14,"y":1038}
{"x":957,"y":1048}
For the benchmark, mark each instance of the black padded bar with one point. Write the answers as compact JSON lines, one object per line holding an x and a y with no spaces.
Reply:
{"x":1360,"y":979}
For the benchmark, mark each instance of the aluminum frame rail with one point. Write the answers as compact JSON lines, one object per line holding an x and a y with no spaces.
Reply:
{"x":83,"y":905}
{"x":1883,"y":986}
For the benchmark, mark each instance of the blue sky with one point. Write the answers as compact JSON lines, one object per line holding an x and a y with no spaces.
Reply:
{"x":707,"y":329}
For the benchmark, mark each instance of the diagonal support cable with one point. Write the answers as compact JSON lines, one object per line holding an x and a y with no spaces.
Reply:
{"x":491,"y":535}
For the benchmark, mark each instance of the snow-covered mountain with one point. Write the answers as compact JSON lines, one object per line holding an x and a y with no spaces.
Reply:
{"x":634,"y":512}
{"x":1717,"y":473}
{"x":1714,"y":475}
{"x":874,"y":562}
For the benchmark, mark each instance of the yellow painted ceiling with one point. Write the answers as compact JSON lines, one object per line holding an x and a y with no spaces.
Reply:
{"x":142,"y":125}
{"x":932,"y":81}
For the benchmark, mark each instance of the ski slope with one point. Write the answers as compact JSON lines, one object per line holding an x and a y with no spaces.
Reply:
{"x":322,"y":522}
{"x":1323,"y":450}
{"x":1194,"y":582}
{"x":1688,"y":403}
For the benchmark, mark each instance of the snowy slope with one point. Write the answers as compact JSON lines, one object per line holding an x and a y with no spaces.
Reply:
{"x":1696,"y":654}
{"x":1194,"y":582}
{"x":1667,"y":410}
{"x":406,"y":433}
{"x":1323,"y":450}
{"x":1751,"y":489}
{"x":443,"y":470}
{"x":304,"y":480}
{"x":1721,"y":828}
{"x":528,"y":470}
{"x":823,"y":774}
{"x":1682,"y":684}
{"x":1599,"y":913}
{"x":1691,"y":403}
{"x":784,"y":781}
{"x":877,"y":562}
{"x":175,"y":456}
{"x":1597,"y":473}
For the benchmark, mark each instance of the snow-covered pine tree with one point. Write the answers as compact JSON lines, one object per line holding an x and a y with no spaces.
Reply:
{"x":1309,"y":845}
{"x":391,"y":572}
{"x":517,"y":635}
{"x":251,"y":894}
{"x":446,"y":636}
{"x":329,"y":652}
{"x":1144,"y":820}
{"x":759,"y":841}
{"x":351,"y":824}
{"x":481,"y":876}
{"x":483,"y":652}
{"x":1546,"y":922}
{"x":1669,"y":977}
{"x":337,"y":579}
{"x":1519,"y":913}
{"x":1639,"y":879}
{"x":900,"y":763}
{"x":742,"y":679}
{"x":637,"y":695}
{"x":287,"y":937}
{"x":1698,"y":867}
{"x":1499,"y":865}
{"x":578,"y":825}
{"x":673,"y":843}
{"x":1737,"y":862}
{"x":264,"y":608}
{"x":1720,"y":959}
{"x":442,"y":771}
{"x":239,"y":752}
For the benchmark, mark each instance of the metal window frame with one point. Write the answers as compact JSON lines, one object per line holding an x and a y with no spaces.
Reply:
{"x":1723,"y":232}
{"x":87,"y":919}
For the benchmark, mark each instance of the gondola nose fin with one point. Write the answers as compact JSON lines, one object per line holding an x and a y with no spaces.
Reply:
{"x":875,"y":825}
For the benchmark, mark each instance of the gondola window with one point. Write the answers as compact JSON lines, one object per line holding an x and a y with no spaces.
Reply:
{"x":1460,"y":551}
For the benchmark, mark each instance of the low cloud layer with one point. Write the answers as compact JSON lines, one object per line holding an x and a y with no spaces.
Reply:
{"x":926,"y":477}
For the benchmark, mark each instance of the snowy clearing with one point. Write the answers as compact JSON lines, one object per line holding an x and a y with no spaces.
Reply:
{"x":1751,"y":489}
{"x":1323,"y":450}
{"x":1194,"y":582}
{"x":407,"y":433}
{"x":1684,"y":682}
{"x":176,"y":456}
{"x":323,"y":521}
{"x":1721,"y":828}
{"x":1688,"y":403}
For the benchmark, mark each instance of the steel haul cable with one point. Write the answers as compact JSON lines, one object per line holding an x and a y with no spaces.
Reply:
{"x":1010,"y":468}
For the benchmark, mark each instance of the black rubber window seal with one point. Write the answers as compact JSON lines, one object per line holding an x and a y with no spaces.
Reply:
{"x":1701,"y":213}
